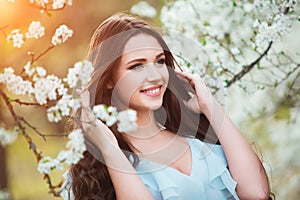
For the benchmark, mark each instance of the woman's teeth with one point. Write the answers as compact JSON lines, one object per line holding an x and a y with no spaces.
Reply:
{"x":152,"y":91}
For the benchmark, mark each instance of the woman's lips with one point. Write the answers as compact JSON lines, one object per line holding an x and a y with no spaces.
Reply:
{"x":152,"y":91}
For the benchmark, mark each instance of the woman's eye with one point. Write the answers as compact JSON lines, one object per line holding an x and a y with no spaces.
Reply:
{"x":161,"y":62}
{"x":136,"y":66}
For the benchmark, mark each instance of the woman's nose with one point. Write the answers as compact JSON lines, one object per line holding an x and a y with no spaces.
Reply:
{"x":153,"y":74}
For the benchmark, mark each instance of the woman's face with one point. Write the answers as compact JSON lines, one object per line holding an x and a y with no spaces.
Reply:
{"x":141,"y":79}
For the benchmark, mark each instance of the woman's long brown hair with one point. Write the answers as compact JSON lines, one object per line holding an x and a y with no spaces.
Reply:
{"x":90,"y":178}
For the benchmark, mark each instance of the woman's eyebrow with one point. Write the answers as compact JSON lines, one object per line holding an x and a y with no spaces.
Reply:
{"x":144,"y":59}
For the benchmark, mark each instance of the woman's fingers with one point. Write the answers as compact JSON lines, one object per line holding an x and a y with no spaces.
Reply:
{"x":193,"y":80}
{"x":84,"y":97}
{"x":202,"y":98}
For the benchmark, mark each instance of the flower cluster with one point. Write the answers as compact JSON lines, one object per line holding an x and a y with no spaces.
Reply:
{"x":126,"y":120}
{"x":75,"y":147}
{"x":35,"y":30}
{"x":228,"y":37}
{"x":15,"y":83}
{"x":46,"y":88}
{"x":56,"y":4}
{"x":143,"y":9}
{"x":7,"y":136}
{"x":214,"y":46}
{"x":16,"y":37}
{"x":62,"y":108}
{"x":62,"y":33}
{"x":267,"y":33}
{"x":81,"y":72}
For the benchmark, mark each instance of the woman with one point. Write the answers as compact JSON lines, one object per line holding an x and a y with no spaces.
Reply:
{"x":185,"y":146}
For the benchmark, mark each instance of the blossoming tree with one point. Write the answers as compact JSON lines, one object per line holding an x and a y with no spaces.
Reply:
{"x":245,"y":45}
{"x":34,"y":87}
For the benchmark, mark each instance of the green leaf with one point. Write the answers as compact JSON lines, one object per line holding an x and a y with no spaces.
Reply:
{"x":206,"y":23}
{"x":203,"y":41}
{"x":10,"y":99}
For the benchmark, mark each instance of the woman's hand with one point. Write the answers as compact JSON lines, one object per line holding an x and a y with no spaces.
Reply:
{"x":94,"y":129}
{"x":203,"y":100}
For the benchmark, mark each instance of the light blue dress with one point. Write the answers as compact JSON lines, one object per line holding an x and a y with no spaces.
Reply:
{"x":209,"y":177}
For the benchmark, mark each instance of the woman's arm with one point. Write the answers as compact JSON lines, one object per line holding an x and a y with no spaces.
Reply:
{"x":244,"y":165}
{"x":127,"y":183}
{"x":122,"y":173}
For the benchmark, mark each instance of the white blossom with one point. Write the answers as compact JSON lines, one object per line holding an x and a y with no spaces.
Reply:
{"x":143,"y":9}
{"x":235,"y":51}
{"x":16,"y":37}
{"x":100,"y":112}
{"x":41,"y":72}
{"x":58,"y":4}
{"x":42,"y":3}
{"x":127,"y":121}
{"x":47,"y":164}
{"x":46,"y":88}
{"x":15,"y":83}
{"x":111,"y":120}
{"x":76,"y":140}
{"x":76,"y":148}
{"x":62,"y":33}
{"x":28,"y":70}
{"x":81,"y":72}
{"x":63,"y":107}
{"x":35,"y":30}
{"x":7,"y":136}
{"x":53,"y":114}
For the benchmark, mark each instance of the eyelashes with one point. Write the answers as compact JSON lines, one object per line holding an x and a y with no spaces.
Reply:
{"x":161,"y":61}
{"x":158,"y":63}
{"x":136,"y":66}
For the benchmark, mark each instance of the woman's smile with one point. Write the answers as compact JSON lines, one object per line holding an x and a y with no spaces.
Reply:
{"x":153,"y":91}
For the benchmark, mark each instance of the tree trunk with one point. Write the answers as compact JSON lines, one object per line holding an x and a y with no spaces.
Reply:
{"x":3,"y":174}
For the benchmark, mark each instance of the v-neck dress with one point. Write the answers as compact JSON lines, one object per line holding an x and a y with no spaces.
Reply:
{"x":209,"y":177}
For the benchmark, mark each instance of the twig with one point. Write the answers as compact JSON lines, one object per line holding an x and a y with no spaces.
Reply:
{"x":45,"y":8}
{"x":2,"y":29}
{"x":29,"y":103}
{"x":19,"y":124}
{"x":247,"y":68}
{"x":33,"y":128}
{"x":18,"y":120}
{"x":41,"y":54}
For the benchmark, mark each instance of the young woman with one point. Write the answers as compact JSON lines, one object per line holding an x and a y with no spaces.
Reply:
{"x":185,"y":146}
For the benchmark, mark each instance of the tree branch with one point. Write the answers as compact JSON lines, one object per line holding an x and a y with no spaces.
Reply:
{"x":28,"y":103}
{"x":248,"y":68}
{"x":38,"y":155}
{"x":41,"y":54}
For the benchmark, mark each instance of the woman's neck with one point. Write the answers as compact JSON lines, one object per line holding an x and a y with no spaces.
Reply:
{"x":147,"y":126}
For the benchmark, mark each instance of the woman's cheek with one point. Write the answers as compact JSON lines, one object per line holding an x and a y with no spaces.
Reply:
{"x":125,"y":88}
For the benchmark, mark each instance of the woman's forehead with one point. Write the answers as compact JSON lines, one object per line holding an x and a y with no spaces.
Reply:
{"x":142,"y":42}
